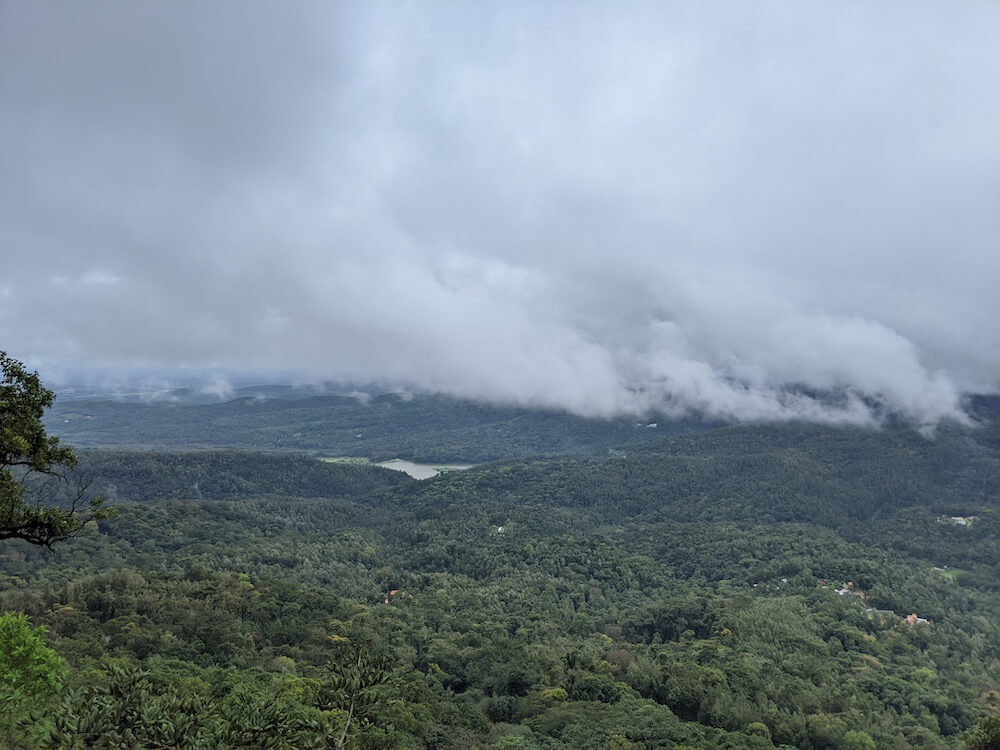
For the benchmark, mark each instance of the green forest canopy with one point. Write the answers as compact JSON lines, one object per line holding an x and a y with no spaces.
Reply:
{"x":680,"y":593}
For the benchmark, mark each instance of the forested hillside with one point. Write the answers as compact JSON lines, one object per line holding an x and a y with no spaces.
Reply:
{"x":388,"y":425}
{"x":742,"y":587}
{"x":223,"y":475}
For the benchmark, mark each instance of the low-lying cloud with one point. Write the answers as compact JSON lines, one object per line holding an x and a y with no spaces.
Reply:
{"x":651,"y":207}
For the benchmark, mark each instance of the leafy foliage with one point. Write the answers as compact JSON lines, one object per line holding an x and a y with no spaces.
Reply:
{"x":29,"y":669}
{"x":31,"y":674}
{"x":26,"y":448}
{"x":986,"y":735}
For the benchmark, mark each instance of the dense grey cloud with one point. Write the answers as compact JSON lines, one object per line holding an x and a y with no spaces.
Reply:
{"x":601,"y":207}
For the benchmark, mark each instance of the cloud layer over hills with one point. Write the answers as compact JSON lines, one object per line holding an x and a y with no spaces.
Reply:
{"x":600,"y":207}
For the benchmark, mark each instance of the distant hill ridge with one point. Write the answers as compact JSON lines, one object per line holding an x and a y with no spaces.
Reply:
{"x":148,"y":476}
{"x":390,"y":425}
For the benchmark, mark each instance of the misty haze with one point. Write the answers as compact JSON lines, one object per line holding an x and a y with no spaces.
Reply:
{"x":596,"y":210}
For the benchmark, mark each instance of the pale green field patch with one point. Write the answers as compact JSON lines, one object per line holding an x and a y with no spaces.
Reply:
{"x":950,"y":573}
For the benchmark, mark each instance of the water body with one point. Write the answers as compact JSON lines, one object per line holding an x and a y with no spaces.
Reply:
{"x":421,"y":471}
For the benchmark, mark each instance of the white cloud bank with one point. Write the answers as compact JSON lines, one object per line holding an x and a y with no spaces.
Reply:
{"x":653,"y":206}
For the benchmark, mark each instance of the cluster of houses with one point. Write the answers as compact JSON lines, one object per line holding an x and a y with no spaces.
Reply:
{"x":848,"y":589}
{"x":852,"y":589}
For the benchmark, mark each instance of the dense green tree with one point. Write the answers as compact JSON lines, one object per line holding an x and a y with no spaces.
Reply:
{"x":986,"y":736}
{"x":29,"y":669}
{"x":856,"y":740}
{"x":129,"y":710}
{"x":352,"y":687}
{"x":31,"y":673}
{"x":25,"y":448}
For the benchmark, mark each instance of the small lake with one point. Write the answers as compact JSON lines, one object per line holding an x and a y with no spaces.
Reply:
{"x":421,"y":471}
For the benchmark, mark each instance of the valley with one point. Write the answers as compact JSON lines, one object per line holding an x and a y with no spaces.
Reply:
{"x":676,"y":591}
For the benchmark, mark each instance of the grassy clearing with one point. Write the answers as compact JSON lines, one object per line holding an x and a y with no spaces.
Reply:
{"x":345,"y":459}
{"x":950,"y":573}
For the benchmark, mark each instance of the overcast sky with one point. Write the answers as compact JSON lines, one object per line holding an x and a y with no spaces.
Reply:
{"x":605,"y":207}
